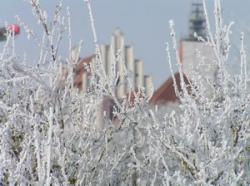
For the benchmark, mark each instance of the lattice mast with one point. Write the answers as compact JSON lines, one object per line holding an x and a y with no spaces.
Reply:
{"x":197,"y":22}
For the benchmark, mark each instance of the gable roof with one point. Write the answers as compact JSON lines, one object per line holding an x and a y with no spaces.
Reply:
{"x":166,"y":93}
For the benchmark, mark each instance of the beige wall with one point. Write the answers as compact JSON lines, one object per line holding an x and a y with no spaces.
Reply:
{"x":199,"y":63}
{"x":139,"y":74}
{"x":148,"y":84}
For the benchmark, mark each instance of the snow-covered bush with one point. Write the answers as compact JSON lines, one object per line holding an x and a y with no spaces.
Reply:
{"x":49,"y":133}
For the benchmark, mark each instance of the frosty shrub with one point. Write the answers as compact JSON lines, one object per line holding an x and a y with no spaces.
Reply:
{"x":49,"y":132}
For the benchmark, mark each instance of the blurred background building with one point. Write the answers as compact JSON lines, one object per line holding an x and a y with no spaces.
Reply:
{"x":121,"y":66}
{"x":198,"y":61}
{"x":119,"y":60}
{"x":197,"y":58}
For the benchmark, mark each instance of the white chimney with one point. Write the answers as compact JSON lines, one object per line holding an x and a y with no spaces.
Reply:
{"x":149,"y":86}
{"x":139,"y":74}
{"x":117,"y":40}
{"x":74,"y":55}
{"x":130,"y":64}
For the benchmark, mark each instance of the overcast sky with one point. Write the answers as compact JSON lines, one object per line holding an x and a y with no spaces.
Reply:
{"x":144,"y":23}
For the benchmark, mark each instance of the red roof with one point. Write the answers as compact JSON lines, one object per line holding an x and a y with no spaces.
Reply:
{"x":166,"y":92}
{"x":133,"y":97}
{"x":82,"y":67}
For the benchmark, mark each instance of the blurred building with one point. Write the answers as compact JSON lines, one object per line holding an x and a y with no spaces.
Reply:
{"x":198,"y":61}
{"x":166,"y":93}
{"x":122,"y":68}
{"x":119,"y":61}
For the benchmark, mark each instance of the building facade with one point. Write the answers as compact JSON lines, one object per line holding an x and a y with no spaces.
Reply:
{"x":198,"y":62}
{"x":121,"y":66}
{"x":119,"y":61}
{"x":129,"y":69}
